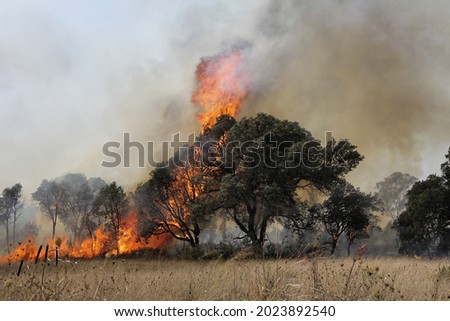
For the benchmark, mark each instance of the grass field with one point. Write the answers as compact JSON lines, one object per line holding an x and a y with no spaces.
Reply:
{"x":313,"y":279}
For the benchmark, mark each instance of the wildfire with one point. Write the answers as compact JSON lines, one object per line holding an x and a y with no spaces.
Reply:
{"x":223,"y":86}
{"x":25,"y":251}
{"x":102,"y":242}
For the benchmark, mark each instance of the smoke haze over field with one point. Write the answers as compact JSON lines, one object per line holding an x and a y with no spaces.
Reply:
{"x":76,"y":75}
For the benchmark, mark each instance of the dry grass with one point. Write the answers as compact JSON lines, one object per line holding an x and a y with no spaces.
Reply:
{"x":315,"y":279}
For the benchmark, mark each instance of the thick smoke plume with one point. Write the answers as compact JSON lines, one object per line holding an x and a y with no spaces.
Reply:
{"x":373,"y":72}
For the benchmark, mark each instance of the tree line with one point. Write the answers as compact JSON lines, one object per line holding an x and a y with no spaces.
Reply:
{"x":253,"y":172}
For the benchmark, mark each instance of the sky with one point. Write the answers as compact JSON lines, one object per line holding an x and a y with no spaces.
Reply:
{"x":77,"y":74}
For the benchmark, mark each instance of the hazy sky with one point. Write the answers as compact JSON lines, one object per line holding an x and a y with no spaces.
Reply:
{"x":75,"y":74}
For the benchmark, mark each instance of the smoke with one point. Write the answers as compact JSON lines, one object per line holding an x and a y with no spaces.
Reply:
{"x":76,"y":75}
{"x":370,"y":72}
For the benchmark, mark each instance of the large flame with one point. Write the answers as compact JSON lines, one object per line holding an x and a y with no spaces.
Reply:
{"x":25,"y":251}
{"x":223,"y":86}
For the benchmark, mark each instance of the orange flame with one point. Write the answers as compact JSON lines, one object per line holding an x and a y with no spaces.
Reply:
{"x":223,"y":86}
{"x":101,"y":243}
{"x":25,"y":251}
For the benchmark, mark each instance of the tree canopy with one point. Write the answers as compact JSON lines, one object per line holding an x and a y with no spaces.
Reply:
{"x":424,"y":227}
{"x":249,"y":170}
{"x":347,"y":211}
{"x":393,"y":192}
{"x":270,"y":160}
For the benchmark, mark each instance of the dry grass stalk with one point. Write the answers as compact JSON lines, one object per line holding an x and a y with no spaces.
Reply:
{"x":313,"y":279}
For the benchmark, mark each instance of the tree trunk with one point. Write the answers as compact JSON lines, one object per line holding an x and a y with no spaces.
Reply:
{"x":115,"y":241}
{"x":192,"y":243}
{"x":258,"y":249}
{"x":54,"y":220}
{"x":7,"y":237}
{"x":349,"y":245}
{"x":263,"y":229}
{"x":333,"y":245}
{"x":258,"y":243}
{"x":14,"y":232}
{"x":115,"y":219}
{"x":53,"y":230}
{"x":252,"y":233}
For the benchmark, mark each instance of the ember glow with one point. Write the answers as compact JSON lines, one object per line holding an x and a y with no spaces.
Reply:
{"x":223,"y":86}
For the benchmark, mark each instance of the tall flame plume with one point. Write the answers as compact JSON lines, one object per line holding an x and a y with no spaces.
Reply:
{"x":223,"y":86}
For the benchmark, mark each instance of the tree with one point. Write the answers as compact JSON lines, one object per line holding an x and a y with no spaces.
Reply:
{"x":269,"y":160}
{"x":445,"y":168}
{"x":177,"y":199}
{"x":424,"y":227}
{"x":5,"y":217}
{"x":11,"y":206}
{"x":393,"y":192}
{"x":165,"y":200}
{"x":112,"y":203}
{"x":51,"y":197}
{"x":347,"y":211}
{"x":78,"y":204}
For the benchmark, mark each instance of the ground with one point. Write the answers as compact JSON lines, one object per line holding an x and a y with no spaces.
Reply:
{"x":163,"y":279}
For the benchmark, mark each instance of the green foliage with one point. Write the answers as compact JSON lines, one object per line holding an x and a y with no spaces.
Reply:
{"x":349,"y":211}
{"x":445,"y":168}
{"x":268,"y":158}
{"x":11,"y":203}
{"x":250,"y":170}
{"x":423,"y":228}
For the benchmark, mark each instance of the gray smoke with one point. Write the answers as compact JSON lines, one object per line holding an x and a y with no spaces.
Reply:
{"x":75,"y":75}
{"x":370,"y":72}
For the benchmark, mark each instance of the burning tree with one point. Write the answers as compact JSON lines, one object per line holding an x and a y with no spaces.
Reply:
{"x":179,"y":197}
{"x":112,"y":204}
{"x":165,"y":204}
{"x":250,"y":169}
